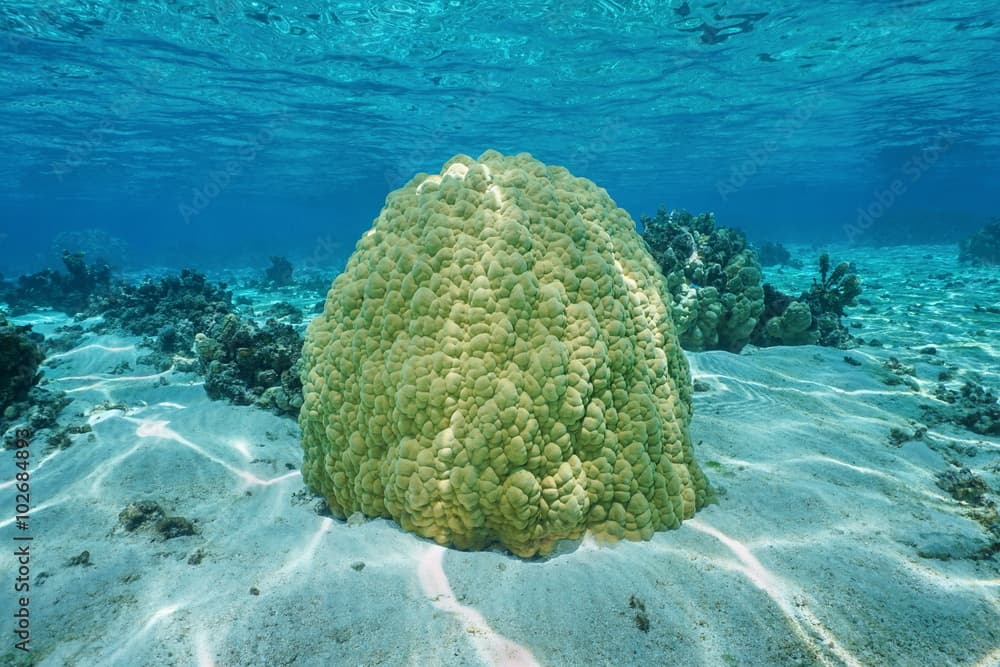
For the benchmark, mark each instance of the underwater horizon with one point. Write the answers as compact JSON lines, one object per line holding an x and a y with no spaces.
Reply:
{"x":443,"y":333}
{"x":200,"y":124}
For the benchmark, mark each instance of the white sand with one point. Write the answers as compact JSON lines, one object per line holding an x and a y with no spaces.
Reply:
{"x":811,"y":557}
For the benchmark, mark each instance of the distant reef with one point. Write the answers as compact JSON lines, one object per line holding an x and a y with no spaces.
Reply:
{"x":186,"y":314}
{"x":97,"y":244}
{"x":983,"y":247}
{"x":69,"y":292}
{"x":720,"y":302}
{"x":187,"y":321}
{"x":279,"y":274}
{"x":168,"y":311}
{"x":773,"y":253}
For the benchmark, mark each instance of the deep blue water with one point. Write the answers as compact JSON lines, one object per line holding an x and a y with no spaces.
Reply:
{"x":787,"y":119}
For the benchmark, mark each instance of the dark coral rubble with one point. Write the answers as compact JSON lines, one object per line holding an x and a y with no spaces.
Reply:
{"x":785,"y":321}
{"x":971,"y":406}
{"x":23,"y":402}
{"x":188,"y":323}
{"x":251,"y":365}
{"x":815,"y":317}
{"x":69,"y":292}
{"x":170,"y":310}
{"x":713,"y":277}
{"x":187,"y":314}
{"x":962,"y":485}
{"x":718,"y":302}
{"x":20,"y":356}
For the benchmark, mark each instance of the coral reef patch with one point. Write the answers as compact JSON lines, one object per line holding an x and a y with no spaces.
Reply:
{"x":68,"y":292}
{"x":713,"y":276}
{"x":815,"y":317}
{"x":20,"y":356}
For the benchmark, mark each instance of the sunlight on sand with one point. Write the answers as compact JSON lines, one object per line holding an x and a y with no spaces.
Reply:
{"x":242,"y":446}
{"x":123,"y":652}
{"x":307,"y":554}
{"x":493,"y":649}
{"x":807,"y":625}
{"x":783,"y":383}
{"x":850,"y":466}
{"x":12,"y":481}
{"x":101,"y":382}
{"x":87,"y":348}
{"x":950,"y":582}
{"x":822,"y":533}
{"x":203,"y":649}
{"x":158,"y":429}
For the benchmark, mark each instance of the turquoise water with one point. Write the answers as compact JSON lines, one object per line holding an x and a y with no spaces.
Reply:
{"x":229,"y":114}
{"x":152,"y":411}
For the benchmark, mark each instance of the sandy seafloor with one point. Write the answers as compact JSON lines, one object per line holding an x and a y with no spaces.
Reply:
{"x":830,"y":545}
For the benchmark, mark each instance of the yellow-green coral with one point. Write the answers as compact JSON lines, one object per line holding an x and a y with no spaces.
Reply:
{"x":792,"y":326}
{"x":497,"y":364}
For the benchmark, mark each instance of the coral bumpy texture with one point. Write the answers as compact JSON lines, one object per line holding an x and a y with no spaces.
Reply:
{"x":497,"y":365}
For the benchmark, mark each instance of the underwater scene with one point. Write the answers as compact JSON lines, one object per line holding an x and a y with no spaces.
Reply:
{"x":449,"y":333}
